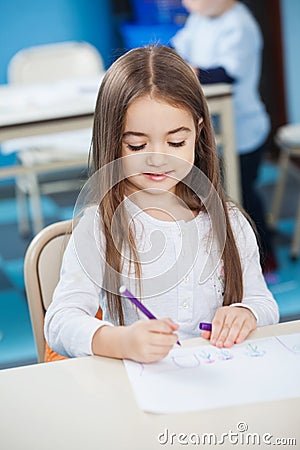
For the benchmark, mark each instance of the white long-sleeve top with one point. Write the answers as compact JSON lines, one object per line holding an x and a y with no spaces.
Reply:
{"x":182,"y":278}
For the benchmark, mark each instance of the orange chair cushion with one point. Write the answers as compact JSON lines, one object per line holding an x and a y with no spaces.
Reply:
{"x":50,"y":355}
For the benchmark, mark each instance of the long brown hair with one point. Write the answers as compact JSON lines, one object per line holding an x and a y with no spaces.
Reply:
{"x":161,"y":72}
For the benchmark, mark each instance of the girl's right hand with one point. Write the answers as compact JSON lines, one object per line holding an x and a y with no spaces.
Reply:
{"x":148,"y":340}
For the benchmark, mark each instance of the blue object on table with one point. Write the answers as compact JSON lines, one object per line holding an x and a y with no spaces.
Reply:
{"x":158,"y":11}
{"x":136,"y":35}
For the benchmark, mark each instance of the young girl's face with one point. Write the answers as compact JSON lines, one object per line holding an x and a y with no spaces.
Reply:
{"x":158,"y":145}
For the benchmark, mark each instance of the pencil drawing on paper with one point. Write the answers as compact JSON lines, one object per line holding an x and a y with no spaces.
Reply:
{"x":291,"y":342}
{"x":184,"y":359}
{"x":253,"y":350}
{"x":225,"y":354}
{"x":206,"y":357}
{"x":201,"y":376}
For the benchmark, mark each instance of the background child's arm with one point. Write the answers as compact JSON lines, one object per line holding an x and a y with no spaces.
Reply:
{"x":143,"y":341}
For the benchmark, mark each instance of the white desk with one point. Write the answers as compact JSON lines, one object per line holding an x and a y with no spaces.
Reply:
{"x":44,"y":109}
{"x":61,"y":106}
{"x":88,"y":404}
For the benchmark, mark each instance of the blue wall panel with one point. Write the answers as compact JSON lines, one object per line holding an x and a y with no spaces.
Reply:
{"x":31,"y":22}
{"x":24,"y":23}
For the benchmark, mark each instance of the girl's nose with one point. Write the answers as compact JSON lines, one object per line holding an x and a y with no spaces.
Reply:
{"x":156,"y":159}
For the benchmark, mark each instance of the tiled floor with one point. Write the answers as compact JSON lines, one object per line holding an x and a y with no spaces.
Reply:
{"x":16,"y":341}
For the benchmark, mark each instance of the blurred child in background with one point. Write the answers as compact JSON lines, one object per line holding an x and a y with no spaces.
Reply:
{"x":222,"y":42}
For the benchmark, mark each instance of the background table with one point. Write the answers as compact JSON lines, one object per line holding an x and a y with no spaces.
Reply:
{"x":43,"y":109}
{"x":66,"y":106}
{"x":88,"y":404}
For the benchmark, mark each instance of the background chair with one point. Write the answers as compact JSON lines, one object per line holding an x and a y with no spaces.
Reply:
{"x":41,"y":271}
{"x":54,"y":62}
{"x":288,"y":139}
{"x":44,"y":64}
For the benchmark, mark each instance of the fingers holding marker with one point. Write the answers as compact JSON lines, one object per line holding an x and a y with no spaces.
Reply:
{"x":205,"y":328}
{"x":124,"y":291}
{"x":162,"y":326}
{"x":230,"y":325}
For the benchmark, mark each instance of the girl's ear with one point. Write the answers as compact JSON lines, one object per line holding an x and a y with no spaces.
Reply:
{"x":200,"y":123}
{"x":200,"y":126}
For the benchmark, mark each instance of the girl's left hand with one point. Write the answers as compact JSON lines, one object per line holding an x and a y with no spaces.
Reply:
{"x":231,"y":325}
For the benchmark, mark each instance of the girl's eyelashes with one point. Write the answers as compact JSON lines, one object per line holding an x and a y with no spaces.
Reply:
{"x":136,"y":148}
{"x":177,"y":144}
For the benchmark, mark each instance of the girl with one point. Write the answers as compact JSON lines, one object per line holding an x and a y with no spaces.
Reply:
{"x":160,"y":224}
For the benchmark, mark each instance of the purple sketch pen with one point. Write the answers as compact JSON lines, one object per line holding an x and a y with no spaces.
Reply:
{"x":124,"y":291}
{"x":205,"y":326}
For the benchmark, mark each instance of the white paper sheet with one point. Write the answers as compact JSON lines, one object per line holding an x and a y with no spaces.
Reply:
{"x":205,"y":377}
